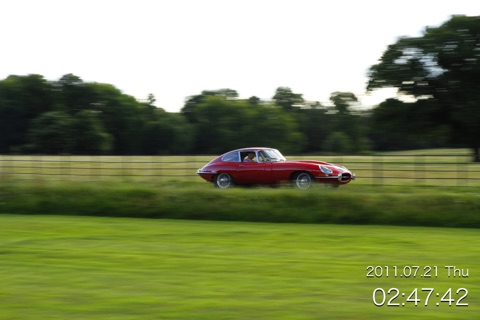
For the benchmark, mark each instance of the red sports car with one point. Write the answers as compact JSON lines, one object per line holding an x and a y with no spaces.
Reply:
{"x":267,"y":166}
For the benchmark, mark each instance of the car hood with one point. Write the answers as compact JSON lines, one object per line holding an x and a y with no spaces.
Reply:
{"x":313,"y":162}
{"x":316,"y":163}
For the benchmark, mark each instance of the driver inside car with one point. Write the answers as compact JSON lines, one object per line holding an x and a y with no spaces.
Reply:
{"x":250,"y":157}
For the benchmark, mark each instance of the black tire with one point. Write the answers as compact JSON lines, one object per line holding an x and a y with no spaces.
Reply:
{"x":223,"y":181}
{"x":303,"y":180}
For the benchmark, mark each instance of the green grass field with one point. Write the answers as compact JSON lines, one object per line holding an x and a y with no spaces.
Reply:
{"x":59,"y":267}
{"x":76,"y":263}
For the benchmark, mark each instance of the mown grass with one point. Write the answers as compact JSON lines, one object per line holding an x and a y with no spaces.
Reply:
{"x":59,"y":267}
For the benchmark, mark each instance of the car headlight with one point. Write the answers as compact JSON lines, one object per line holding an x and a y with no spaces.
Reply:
{"x":325,"y":170}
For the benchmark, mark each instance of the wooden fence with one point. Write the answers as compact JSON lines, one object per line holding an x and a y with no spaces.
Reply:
{"x":390,"y":169}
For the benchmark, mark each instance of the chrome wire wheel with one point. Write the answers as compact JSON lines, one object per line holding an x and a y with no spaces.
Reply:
{"x":223,"y":181}
{"x":303,"y":180}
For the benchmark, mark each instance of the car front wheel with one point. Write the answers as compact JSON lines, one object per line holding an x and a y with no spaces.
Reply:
{"x":303,"y":180}
{"x":223,"y":181}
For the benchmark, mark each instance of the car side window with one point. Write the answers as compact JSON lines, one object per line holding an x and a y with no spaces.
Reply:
{"x":231,"y":157}
{"x":248,"y":156}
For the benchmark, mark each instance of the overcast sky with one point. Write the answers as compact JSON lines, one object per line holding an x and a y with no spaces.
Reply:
{"x":178,"y":48}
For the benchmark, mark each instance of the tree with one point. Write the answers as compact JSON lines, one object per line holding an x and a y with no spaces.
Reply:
{"x":72,"y":94}
{"x":222,"y":125}
{"x":151,"y":99}
{"x":285,"y":98}
{"x":343,"y":101}
{"x":338,"y":142}
{"x":90,"y":136}
{"x":166,"y":133}
{"x":349,"y":123}
{"x":120,"y":114}
{"x":274,"y":127}
{"x":254,"y":100}
{"x":442,"y":66}
{"x":52,"y":133}
{"x":398,"y":125}
{"x":192,"y":102}
{"x":111,"y":118}
{"x":315,"y":124}
{"x":22,"y":99}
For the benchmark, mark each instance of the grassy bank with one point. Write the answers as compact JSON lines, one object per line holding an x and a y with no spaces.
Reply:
{"x":413,"y":206}
{"x":57,"y":267}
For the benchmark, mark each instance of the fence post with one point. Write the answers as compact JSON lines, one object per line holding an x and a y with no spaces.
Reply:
{"x":419,"y":173}
{"x":68,"y":167}
{"x":41,"y":166}
{"x":461,"y":169}
{"x":377,"y":169}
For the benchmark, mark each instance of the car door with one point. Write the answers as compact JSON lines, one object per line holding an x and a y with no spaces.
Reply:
{"x":255,"y":172}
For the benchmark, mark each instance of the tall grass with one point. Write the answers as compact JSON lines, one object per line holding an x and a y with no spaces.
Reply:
{"x":349,"y":205}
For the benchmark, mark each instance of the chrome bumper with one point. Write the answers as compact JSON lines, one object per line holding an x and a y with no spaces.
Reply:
{"x":338,"y":177}
{"x":200,"y":171}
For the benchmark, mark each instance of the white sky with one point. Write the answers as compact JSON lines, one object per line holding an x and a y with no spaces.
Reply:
{"x":177,"y":48}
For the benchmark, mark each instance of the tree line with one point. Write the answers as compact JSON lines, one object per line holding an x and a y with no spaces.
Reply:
{"x":70,"y":116}
{"x":439,"y":71}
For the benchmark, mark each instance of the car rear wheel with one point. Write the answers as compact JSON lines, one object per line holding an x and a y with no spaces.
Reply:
{"x":223,"y":181}
{"x":302,"y":180}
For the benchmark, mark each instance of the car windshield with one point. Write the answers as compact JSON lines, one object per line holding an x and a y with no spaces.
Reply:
{"x":273,"y":155}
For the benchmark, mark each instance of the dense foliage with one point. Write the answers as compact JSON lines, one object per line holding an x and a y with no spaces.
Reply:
{"x":440,"y":70}
{"x":70,"y":116}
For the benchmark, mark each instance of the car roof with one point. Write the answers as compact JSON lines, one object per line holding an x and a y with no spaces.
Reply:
{"x":252,"y":148}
